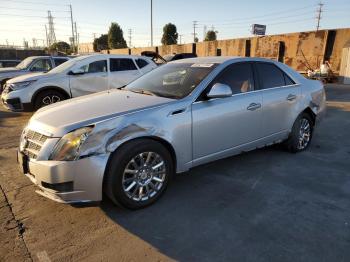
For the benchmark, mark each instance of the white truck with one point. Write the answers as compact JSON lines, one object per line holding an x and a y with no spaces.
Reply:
{"x":79,"y":76}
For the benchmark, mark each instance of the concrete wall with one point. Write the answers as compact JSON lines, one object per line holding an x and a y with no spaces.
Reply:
{"x":302,"y":50}
{"x":12,"y":53}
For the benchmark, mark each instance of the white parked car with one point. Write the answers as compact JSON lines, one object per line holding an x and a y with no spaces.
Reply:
{"x":79,"y":76}
{"x":29,"y":65}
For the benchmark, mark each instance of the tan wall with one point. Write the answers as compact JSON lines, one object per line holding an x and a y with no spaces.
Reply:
{"x":85,"y":48}
{"x":302,"y":50}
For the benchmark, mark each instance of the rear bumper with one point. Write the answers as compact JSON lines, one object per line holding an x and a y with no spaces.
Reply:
{"x":67,"y":181}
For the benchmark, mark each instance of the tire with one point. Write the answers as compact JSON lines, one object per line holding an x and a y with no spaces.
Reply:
{"x":2,"y":85}
{"x":303,"y":126}
{"x":123,"y":178}
{"x":48,"y":97}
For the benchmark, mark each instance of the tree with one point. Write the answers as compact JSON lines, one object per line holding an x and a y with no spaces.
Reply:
{"x":101,"y":43}
{"x":115,"y":37}
{"x":170,"y":34}
{"x":60,"y":46}
{"x":196,"y":39}
{"x":210,"y":36}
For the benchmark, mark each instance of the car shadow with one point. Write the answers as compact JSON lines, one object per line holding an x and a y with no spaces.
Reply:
{"x":206,"y":213}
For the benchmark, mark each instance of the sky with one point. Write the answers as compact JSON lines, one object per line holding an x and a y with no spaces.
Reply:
{"x":25,"y":19}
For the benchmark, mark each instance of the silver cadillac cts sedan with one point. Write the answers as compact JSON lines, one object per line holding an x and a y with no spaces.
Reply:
{"x":129,"y":142}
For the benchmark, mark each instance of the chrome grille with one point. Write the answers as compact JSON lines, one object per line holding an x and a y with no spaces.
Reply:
{"x":33,"y":143}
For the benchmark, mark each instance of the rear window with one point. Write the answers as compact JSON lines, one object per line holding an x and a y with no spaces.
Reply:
{"x":141,"y":63}
{"x":59,"y":61}
{"x":122,"y":64}
{"x":270,"y":76}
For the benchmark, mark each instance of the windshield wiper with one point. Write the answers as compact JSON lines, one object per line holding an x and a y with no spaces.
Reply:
{"x":121,"y":87}
{"x":144,"y":92}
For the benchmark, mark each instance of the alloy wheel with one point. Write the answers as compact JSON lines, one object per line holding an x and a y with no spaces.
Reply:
{"x":144,"y":176}
{"x":304,"y":133}
{"x":50,"y":99}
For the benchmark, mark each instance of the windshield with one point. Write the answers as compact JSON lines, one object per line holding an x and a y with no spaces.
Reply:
{"x":174,"y":80}
{"x":25,"y":63}
{"x":62,"y":67}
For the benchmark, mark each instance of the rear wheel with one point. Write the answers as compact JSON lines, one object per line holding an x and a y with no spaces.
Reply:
{"x":48,"y":97}
{"x":300,"y":137}
{"x":138,"y":173}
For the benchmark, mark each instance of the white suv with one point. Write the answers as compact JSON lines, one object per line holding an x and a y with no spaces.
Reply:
{"x":79,"y":76}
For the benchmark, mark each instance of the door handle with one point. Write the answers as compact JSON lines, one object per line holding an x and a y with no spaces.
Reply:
{"x":291,"y":97}
{"x":253,"y":106}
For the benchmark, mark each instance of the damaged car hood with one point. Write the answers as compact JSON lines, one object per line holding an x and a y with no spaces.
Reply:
{"x":62,"y":117}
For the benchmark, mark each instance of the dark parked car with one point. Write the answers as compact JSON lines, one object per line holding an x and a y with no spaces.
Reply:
{"x":9,"y":63}
{"x":159,"y":60}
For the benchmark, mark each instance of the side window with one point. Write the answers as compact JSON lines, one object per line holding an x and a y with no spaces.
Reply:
{"x":288,"y":80}
{"x":122,"y":64}
{"x":59,"y":61}
{"x":41,"y":65}
{"x":95,"y":67}
{"x":141,"y":63}
{"x":238,"y":76}
{"x":270,"y":76}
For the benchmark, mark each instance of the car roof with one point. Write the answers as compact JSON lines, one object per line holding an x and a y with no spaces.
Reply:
{"x":221,"y":59}
{"x":46,"y":56}
{"x":112,"y":56}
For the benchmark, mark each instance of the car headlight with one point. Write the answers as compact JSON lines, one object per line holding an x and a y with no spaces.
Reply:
{"x":67,"y":148}
{"x":20,"y":85}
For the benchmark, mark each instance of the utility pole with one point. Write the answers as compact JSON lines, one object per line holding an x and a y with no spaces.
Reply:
{"x":204,"y":31}
{"x":318,"y":16}
{"x":194,"y":30}
{"x":47,"y":38}
{"x":151,"y":23}
{"x":76,"y":35}
{"x":130,"y":32}
{"x":180,"y":36}
{"x":71,"y":20}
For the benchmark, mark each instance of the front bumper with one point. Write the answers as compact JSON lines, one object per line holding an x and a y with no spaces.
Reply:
{"x":67,"y":181}
{"x":14,"y":103}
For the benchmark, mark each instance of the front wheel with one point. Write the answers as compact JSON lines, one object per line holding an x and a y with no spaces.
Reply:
{"x":138,"y":173}
{"x":300,"y":137}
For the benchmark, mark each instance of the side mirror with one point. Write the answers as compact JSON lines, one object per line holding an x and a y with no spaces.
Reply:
{"x":78,"y":71}
{"x":219,"y":91}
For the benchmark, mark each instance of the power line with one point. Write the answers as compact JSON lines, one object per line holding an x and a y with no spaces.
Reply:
{"x":34,"y":3}
{"x":36,"y":16}
{"x":262,"y":16}
{"x":30,"y":9}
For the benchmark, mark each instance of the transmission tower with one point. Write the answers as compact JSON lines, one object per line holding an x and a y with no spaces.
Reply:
{"x":51,"y":37}
{"x":318,"y":15}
